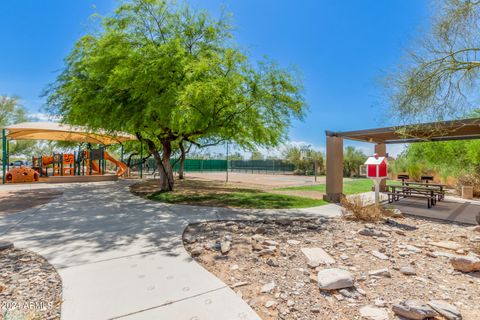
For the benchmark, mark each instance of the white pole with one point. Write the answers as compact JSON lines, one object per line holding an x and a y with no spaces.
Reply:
{"x":377,"y":192}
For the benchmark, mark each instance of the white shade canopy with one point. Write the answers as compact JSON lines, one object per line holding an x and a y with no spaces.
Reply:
{"x":63,"y":132}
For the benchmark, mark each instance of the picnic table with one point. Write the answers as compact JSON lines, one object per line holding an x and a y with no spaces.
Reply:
{"x":439,"y":186}
{"x":431,"y":194}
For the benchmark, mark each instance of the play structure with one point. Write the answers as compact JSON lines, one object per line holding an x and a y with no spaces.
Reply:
{"x":85,"y":165}
{"x":86,"y":162}
{"x":22,"y":174}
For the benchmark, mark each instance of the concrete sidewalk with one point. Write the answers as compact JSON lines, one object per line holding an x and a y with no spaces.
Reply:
{"x":122,"y":257}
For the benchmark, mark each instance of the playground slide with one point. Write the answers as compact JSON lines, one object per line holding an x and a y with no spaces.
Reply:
{"x":45,"y":162}
{"x":122,"y":167}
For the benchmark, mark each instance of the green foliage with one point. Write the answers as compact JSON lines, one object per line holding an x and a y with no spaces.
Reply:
{"x":167,"y":73}
{"x":349,"y":187}
{"x":242,"y":199}
{"x":439,"y":77}
{"x":304,"y":159}
{"x":449,"y":158}
{"x":12,"y":112}
{"x":353,"y":158}
{"x":235,"y":156}
{"x":257,"y":155}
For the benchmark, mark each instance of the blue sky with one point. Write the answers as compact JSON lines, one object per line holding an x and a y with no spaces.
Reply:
{"x":342,"y":48}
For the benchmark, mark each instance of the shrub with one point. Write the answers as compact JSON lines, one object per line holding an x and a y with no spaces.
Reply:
{"x":359,"y":209}
{"x":298,"y":172}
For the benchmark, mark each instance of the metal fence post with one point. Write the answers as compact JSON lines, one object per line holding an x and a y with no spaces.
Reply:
{"x":226,"y":178}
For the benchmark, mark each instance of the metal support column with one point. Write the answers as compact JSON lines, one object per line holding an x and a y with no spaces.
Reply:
{"x":226,"y":176}
{"x":4,"y":155}
{"x":90,"y":158}
{"x":8,"y":154}
{"x":141,"y":160}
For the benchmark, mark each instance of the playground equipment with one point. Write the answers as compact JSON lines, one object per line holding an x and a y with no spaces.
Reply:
{"x":121,"y":167}
{"x":21,"y":174}
{"x":87,"y":165}
{"x":86,"y":162}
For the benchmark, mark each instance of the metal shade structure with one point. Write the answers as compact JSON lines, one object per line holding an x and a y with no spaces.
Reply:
{"x":63,"y":132}
{"x":465,"y":129}
{"x":54,"y":131}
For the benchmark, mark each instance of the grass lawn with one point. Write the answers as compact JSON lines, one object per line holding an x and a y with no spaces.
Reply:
{"x":349,"y":187}
{"x":208,"y":193}
{"x":244,"y":199}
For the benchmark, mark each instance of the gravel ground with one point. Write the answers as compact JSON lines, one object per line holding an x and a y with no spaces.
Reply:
{"x":30,"y":288}
{"x":264,"y":263}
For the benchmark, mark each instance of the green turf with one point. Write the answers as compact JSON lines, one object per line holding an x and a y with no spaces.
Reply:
{"x":349,"y":187}
{"x":243,"y":199}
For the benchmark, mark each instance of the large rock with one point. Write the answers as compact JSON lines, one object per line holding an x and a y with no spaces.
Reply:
{"x":408,"y":271}
{"x":469,"y":263}
{"x":372,"y":233}
{"x":335,"y":278}
{"x":413,"y":309}
{"x":379,"y":255}
{"x":413,"y":248}
{"x":225,"y":246}
{"x":373,"y":313}
{"x":317,"y":256}
{"x":451,"y":245}
{"x":445,"y":309}
{"x":267,"y":288}
{"x":380,"y":273}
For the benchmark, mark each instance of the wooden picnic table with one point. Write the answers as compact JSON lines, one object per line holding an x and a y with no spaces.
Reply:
{"x":425,"y":184}
{"x":439,"y":186}
{"x":430,"y":194}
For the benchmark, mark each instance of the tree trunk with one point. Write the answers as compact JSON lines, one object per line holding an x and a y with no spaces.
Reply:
{"x":165,"y":169}
{"x":182,"y":160}
{"x":163,"y":164}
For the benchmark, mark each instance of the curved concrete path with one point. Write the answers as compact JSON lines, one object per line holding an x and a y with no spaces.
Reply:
{"x":122,"y":257}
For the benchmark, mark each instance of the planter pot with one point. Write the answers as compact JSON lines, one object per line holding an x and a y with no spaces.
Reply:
{"x":467,"y":192}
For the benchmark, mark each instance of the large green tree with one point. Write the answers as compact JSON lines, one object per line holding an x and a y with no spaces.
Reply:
{"x":305,"y":159}
{"x":353,"y":158}
{"x":11,"y":112}
{"x":439,"y":79}
{"x":167,"y":73}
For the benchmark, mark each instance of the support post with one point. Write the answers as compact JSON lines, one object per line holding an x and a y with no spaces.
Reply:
{"x":381,"y":150}
{"x":334,"y":186}
{"x":226,"y":176}
{"x":4,"y":155}
{"x":141,"y":160}
{"x":90,"y":158}
{"x":377,"y":191}
{"x":8,"y":154}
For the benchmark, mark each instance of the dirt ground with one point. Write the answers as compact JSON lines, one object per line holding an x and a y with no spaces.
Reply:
{"x":197,"y":183}
{"x":30,"y":287}
{"x":258,"y":180}
{"x":16,"y":201}
{"x":263,"y":262}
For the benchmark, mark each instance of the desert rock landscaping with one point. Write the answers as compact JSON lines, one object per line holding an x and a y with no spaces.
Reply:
{"x":318,"y":268}
{"x":30,"y":288}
